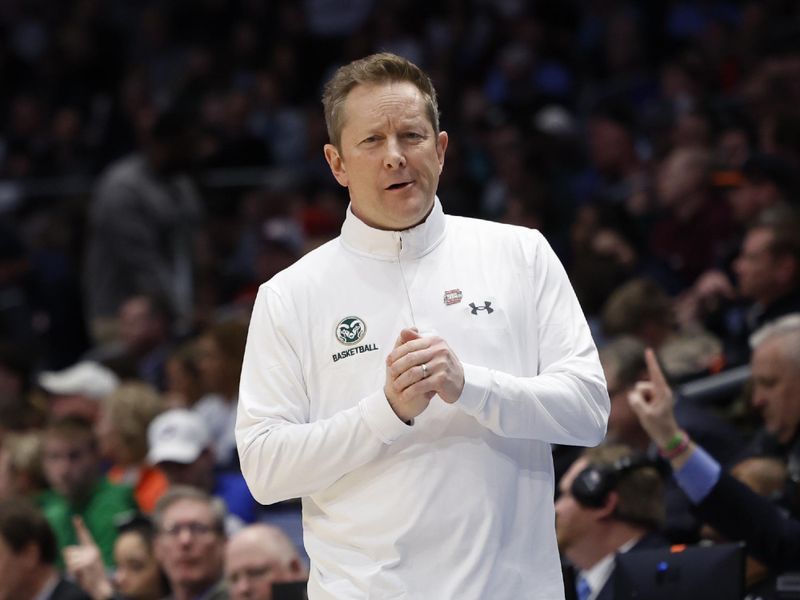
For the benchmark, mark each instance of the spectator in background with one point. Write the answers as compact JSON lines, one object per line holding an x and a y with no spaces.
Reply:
{"x":611,"y":501}
{"x":28,"y":554}
{"x":641,"y":308}
{"x":21,"y":473}
{"x":616,"y":175}
{"x":258,"y":556}
{"x":624,"y":365}
{"x":78,"y":390}
{"x":137,"y":575}
{"x":143,"y":341}
{"x":726,"y":504}
{"x":680,"y":241}
{"x":72,"y":469}
{"x":181,"y":446}
{"x":143,"y":226}
{"x":190,"y":543}
{"x":121,"y":434}
{"x":776,"y":392}
{"x":219,"y":353}
{"x":768,"y":268}
{"x":767,"y":181}
{"x":182,"y":385}
{"x":768,"y":283}
{"x":602,"y":259}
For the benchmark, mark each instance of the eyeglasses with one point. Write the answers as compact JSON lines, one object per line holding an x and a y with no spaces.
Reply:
{"x":196,"y":529}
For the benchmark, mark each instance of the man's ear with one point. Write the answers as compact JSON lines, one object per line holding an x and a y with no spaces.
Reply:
{"x":610,"y":507}
{"x":441,"y":148}
{"x":336,"y":163}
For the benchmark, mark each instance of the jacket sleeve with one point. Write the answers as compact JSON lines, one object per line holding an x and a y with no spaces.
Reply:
{"x":282,"y":454}
{"x":738,"y":513}
{"x":567,"y":401}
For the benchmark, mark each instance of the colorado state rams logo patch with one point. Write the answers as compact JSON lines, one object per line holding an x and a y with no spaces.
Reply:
{"x":350,"y":330}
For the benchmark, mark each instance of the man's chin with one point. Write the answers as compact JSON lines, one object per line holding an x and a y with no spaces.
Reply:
{"x":418,"y":213}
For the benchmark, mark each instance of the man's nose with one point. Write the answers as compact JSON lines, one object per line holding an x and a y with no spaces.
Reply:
{"x":395,"y":158}
{"x":241,"y":589}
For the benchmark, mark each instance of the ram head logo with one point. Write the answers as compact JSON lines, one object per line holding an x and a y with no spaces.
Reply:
{"x":350,"y":330}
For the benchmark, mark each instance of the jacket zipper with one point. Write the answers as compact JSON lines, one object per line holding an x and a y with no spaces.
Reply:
{"x":405,"y":284}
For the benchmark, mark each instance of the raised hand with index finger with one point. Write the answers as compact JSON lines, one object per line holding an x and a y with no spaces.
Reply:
{"x":653,"y":403}
{"x":85,"y":563}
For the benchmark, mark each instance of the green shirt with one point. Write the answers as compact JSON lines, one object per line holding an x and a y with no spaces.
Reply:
{"x":106,"y":505}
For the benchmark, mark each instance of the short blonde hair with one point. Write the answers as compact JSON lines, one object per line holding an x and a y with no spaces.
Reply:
{"x":24,"y":452}
{"x":383,"y":67}
{"x":131,"y":408}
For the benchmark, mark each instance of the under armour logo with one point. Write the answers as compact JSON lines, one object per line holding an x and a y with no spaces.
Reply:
{"x":487,"y":306}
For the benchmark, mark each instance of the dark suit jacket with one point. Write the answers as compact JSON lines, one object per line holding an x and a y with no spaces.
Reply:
{"x":648,"y":542}
{"x":738,"y":513}
{"x":66,"y":590}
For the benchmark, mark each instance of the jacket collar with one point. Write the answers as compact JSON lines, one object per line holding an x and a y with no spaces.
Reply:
{"x":360,"y":238}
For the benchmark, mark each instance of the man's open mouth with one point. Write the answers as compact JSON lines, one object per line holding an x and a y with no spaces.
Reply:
{"x":399,"y":186}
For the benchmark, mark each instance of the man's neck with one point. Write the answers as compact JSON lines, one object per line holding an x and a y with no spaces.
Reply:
{"x":607,"y":541}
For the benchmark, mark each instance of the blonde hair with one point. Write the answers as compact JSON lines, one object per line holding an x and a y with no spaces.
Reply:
{"x":24,"y":452}
{"x":383,"y":67}
{"x":131,"y":408}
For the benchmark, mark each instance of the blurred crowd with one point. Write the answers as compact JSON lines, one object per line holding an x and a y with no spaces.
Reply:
{"x":160,"y":159}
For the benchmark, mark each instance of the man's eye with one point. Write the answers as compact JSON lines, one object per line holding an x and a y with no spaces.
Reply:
{"x":370,"y":139}
{"x":413,"y":135}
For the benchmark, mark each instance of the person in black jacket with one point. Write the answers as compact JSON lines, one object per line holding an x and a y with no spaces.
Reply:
{"x":28,"y":552}
{"x":611,"y":501}
{"x":733,"y":509}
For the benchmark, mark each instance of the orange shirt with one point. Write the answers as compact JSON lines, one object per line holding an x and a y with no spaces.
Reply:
{"x":149,"y":486}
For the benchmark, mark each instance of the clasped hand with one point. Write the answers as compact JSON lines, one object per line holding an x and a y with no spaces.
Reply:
{"x":410,"y":385}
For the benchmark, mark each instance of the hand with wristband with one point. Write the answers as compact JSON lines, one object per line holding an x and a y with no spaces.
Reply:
{"x":653,"y":403}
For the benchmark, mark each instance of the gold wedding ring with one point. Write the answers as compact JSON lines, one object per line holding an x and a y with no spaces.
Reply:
{"x":424,"y":370}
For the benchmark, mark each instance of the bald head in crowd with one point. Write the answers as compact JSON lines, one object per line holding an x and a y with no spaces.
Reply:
{"x":258,"y":556}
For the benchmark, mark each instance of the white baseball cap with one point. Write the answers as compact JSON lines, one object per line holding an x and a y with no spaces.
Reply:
{"x":86,"y":378}
{"x":178,"y":435}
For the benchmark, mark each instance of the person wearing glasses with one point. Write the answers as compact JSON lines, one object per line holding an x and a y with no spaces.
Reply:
{"x":190,"y":543}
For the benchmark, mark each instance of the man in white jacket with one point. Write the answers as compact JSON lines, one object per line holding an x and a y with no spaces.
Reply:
{"x":407,"y":378}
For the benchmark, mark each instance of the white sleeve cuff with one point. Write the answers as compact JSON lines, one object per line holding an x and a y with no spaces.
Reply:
{"x":477,"y":382}
{"x":381,"y":418}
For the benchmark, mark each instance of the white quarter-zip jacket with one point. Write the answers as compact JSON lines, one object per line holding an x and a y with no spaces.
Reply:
{"x":458,"y":505}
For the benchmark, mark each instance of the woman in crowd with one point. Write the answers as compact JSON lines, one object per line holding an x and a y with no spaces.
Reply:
{"x":122,"y":437}
{"x":137,"y":576}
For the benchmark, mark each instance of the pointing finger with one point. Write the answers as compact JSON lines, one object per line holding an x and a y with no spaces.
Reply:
{"x":654,"y":370}
{"x":84,"y":537}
